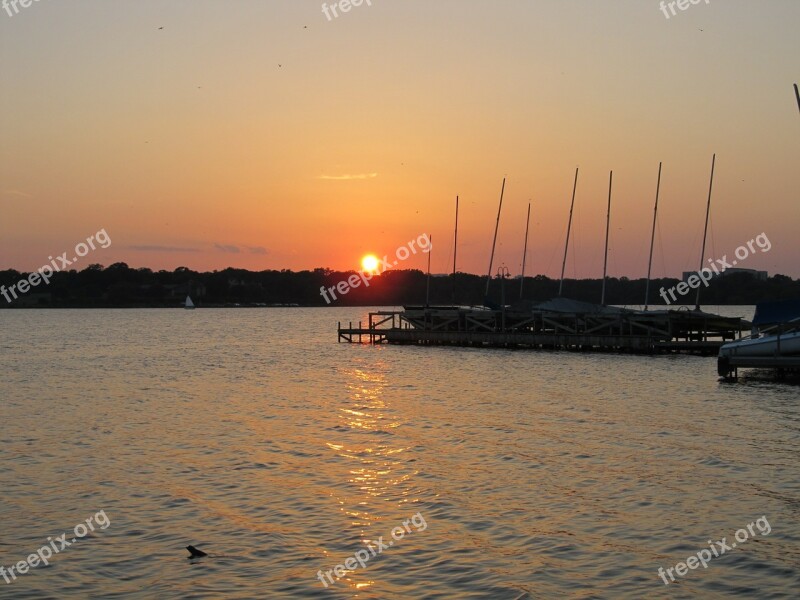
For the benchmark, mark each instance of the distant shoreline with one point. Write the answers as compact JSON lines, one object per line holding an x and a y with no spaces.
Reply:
{"x":326,"y":306}
{"x":119,"y":286}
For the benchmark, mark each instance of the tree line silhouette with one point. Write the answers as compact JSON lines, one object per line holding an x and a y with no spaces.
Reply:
{"x":119,"y":286}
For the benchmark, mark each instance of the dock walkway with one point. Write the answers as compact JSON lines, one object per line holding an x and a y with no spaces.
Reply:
{"x":672,"y":331}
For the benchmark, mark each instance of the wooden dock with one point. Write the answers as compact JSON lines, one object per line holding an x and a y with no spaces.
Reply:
{"x":781,"y":366}
{"x":594,"y":329}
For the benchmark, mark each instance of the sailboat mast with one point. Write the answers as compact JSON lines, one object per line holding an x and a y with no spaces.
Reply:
{"x":705,"y":233}
{"x":608,"y":224}
{"x":455,"y":251}
{"x":494,"y":243}
{"x":525,"y":253}
{"x":652,"y":241}
{"x":569,"y":228}
{"x":428,"y":284}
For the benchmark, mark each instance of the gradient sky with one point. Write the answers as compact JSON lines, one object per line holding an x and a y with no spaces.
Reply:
{"x":258,"y":134}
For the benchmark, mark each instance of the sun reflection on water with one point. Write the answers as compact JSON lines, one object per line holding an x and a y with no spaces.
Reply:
{"x":379,"y":480}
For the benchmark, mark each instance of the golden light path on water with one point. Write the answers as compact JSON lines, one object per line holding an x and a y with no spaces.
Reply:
{"x":254,"y":436}
{"x":377,"y":473}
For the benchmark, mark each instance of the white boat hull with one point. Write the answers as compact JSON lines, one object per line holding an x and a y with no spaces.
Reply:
{"x":764,"y":346}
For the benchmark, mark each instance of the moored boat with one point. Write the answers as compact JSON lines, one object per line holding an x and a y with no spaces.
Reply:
{"x":775,"y":341}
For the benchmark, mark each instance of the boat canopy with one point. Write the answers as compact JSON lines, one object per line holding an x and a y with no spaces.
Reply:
{"x":567,"y":305}
{"x":780,"y":311}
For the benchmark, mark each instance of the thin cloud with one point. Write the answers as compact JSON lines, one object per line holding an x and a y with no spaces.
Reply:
{"x":348,"y":177}
{"x":162,"y":249}
{"x":16,"y":193}
{"x":257,"y":250}
{"x":229,"y":248}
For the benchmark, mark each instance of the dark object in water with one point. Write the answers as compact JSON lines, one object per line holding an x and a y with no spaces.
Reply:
{"x":195,"y":553}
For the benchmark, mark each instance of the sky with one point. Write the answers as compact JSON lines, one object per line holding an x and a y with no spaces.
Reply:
{"x":262,"y":134}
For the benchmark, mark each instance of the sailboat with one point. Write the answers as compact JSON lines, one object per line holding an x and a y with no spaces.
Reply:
{"x":189,"y":304}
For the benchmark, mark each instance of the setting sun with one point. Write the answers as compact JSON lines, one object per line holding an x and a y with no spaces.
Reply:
{"x":370,"y":263}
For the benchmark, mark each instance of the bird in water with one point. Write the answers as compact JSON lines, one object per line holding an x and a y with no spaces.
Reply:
{"x":195,"y":553}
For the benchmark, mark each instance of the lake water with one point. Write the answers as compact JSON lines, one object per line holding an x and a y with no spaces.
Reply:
{"x":254,"y":436}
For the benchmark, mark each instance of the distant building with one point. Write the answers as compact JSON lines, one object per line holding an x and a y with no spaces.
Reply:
{"x":757,"y":275}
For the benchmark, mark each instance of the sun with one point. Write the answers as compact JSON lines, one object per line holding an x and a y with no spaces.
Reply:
{"x":370,"y":263}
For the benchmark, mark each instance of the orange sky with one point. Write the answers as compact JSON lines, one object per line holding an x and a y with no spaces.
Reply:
{"x":261,"y":135}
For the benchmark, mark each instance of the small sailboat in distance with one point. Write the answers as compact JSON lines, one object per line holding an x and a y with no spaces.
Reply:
{"x":189,"y":304}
